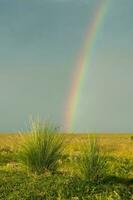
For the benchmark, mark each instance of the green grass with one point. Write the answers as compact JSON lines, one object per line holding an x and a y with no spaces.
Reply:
{"x":66,"y":183}
{"x":93,"y":164}
{"x":42,"y":150}
{"x":16,"y":183}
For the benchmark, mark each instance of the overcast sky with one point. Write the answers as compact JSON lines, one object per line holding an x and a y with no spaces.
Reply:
{"x":39,"y":44}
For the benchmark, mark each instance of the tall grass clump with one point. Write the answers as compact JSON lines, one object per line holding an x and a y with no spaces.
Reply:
{"x":93,"y":163}
{"x":42,"y":148}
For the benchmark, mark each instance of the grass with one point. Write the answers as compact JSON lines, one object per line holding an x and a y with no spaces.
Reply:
{"x":93,"y":164}
{"x":66,"y":183}
{"x":42,"y":150}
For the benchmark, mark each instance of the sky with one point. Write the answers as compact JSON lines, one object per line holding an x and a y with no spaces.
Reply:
{"x":40,"y":41}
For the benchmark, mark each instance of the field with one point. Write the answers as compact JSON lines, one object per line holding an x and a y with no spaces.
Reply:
{"x":17,"y":182}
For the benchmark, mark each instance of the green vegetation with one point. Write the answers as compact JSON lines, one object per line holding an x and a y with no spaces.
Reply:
{"x":42,"y":150}
{"x":40,"y":168}
{"x":93,"y":165}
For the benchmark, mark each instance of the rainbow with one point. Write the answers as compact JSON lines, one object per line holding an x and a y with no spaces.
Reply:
{"x":83,"y":64}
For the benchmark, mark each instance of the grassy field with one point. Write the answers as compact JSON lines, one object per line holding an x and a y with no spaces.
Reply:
{"x":17,"y":182}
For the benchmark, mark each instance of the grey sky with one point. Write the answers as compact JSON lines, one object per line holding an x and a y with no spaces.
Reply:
{"x":39,"y":44}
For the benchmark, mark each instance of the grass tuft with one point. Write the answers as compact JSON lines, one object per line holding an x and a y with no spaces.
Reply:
{"x":42,"y":148}
{"x":93,"y":163}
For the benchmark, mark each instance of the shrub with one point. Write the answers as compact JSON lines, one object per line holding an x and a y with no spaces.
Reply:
{"x":43,"y":148}
{"x":93,"y":164}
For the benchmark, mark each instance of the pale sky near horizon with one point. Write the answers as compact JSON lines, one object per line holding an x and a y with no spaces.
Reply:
{"x":39,"y":44}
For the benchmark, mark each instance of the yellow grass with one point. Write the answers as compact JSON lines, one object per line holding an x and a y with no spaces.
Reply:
{"x":120,"y":145}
